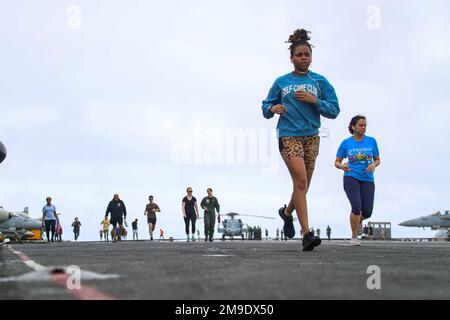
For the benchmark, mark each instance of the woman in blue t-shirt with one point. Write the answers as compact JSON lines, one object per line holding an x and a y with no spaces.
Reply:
{"x":363,"y":158}
{"x":49,"y":219}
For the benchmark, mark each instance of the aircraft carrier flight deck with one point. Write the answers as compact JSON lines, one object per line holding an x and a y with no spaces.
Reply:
{"x":249,"y":270}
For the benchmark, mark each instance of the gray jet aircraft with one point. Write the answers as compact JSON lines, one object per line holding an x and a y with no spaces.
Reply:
{"x":20,"y":225}
{"x":436,"y":221}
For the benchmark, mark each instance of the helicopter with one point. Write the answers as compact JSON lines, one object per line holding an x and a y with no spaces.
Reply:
{"x":235,"y":227}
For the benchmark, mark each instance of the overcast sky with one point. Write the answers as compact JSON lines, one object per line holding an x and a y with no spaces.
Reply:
{"x":147,"y":97}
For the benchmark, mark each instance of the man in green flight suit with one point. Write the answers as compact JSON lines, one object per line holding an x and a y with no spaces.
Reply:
{"x":210,"y":204}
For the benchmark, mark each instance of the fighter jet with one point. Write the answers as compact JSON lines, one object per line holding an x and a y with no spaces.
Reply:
{"x":19,"y":226}
{"x":436,"y":221}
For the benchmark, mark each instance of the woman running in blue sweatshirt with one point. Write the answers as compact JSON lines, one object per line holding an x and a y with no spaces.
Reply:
{"x":300,"y":98}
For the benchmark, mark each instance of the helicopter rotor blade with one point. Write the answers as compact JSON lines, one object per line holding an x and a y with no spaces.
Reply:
{"x":256,"y":216}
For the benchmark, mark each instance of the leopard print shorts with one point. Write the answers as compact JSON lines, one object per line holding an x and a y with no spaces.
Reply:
{"x":300,"y":147}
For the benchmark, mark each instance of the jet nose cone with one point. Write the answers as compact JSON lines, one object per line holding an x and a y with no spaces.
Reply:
{"x":408,"y":223}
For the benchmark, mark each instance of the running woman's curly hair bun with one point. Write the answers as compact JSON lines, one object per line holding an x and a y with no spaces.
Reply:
{"x":298,"y":38}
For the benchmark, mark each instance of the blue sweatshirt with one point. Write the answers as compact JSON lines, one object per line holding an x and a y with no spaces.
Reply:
{"x":301,"y":119}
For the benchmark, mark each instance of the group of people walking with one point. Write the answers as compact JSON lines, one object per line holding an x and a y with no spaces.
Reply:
{"x":190,"y":212}
{"x":189,"y":208}
{"x":116,"y":214}
{"x":52,"y":225}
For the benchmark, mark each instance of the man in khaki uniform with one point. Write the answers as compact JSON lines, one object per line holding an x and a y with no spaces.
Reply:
{"x":210,"y":204}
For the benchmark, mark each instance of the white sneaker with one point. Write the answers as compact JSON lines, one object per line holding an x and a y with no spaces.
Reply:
{"x":355,"y":242}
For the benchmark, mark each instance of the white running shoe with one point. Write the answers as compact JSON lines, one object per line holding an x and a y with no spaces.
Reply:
{"x":355,"y":242}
